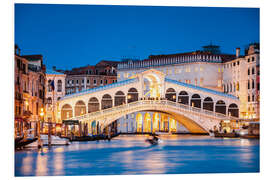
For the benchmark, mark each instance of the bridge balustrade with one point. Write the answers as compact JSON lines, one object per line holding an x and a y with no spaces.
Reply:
{"x":146,"y":103}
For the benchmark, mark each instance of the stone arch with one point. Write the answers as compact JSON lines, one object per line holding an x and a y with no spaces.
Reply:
{"x":106,"y":101}
{"x":195,"y":100}
{"x":139,"y":122}
{"x":208,"y":104}
{"x":119,"y":98}
{"x":66,"y":112}
{"x":220,"y":107}
{"x":93,"y":105}
{"x":171,"y":94}
{"x":80,"y":108}
{"x":183,"y":97}
{"x":133,"y":95}
{"x":147,"y":122}
{"x":233,"y":110}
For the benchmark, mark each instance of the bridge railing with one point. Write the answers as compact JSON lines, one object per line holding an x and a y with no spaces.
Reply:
{"x":146,"y":103}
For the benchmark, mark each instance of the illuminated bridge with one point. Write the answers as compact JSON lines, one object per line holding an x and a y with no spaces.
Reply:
{"x":198,"y":109}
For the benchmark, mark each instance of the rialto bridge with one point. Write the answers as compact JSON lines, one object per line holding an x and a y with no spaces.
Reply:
{"x":196,"y":108}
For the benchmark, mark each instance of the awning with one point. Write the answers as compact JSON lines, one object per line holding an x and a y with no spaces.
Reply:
{"x":70,"y":122}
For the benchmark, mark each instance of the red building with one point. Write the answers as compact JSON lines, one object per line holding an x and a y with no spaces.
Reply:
{"x":87,"y":77}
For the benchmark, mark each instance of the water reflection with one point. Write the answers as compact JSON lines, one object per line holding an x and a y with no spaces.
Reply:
{"x":132,"y":155}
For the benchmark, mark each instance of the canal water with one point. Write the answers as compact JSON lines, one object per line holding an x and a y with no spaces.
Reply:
{"x":130,"y":154}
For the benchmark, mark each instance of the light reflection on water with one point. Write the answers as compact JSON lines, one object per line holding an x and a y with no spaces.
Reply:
{"x":132,"y":155}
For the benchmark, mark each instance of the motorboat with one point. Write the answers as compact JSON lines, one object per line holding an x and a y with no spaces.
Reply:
{"x":153,"y":141}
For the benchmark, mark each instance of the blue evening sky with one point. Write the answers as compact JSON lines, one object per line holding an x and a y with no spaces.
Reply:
{"x":76,"y":35}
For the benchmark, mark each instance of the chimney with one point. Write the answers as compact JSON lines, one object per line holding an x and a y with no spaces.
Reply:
{"x":237,"y":52}
{"x":54,"y":68}
{"x":251,"y":49}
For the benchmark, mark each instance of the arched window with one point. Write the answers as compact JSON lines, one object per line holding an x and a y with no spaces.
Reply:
{"x":59,"y":86}
{"x":221,"y":107}
{"x":208,"y":104}
{"x":49,"y":100}
{"x":80,"y":108}
{"x":106,"y":101}
{"x":183,"y":97}
{"x":170,"y":94}
{"x":195,"y":101}
{"x":93,"y":105}
{"x":119,"y":98}
{"x":233,"y":110}
{"x":133,"y":95}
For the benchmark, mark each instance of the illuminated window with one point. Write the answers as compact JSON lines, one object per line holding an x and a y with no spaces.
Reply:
{"x":237,"y":86}
{"x":218,"y":69}
{"x":201,"y":82}
{"x":196,"y":69}
{"x":219,"y":83}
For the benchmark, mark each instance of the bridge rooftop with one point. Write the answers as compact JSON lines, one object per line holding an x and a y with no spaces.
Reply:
{"x":201,"y":88}
{"x":100,"y":88}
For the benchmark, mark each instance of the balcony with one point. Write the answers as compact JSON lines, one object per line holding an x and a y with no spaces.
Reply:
{"x":27,"y":113}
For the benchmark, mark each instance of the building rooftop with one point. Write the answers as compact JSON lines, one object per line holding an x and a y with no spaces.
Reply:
{"x":34,"y":57}
{"x":201,"y":88}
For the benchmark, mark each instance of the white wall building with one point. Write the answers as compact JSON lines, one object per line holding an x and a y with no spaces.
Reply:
{"x":53,"y":96}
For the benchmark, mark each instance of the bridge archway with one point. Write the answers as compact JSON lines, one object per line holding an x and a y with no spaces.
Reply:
{"x":152,"y":85}
{"x":233,"y":110}
{"x":220,"y":107}
{"x":156,"y":120}
{"x":119,"y":98}
{"x":106,"y":101}
{"x":147,"y":122}
{"x":183,"y":98}
{"x":195,"y":100}
{"x":66,"y":112}
{"x":80,"y":108}
{"x":139,"y":122}
{"x":171,"y":94}
{"x":93,"y":105}
{"x":208,"y":104}
{"x":133,"y":95}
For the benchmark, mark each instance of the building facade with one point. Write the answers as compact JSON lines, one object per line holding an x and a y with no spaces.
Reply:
{"x":29,"y":90}
{"x":88,"y":77}
{"x":53,"y":95}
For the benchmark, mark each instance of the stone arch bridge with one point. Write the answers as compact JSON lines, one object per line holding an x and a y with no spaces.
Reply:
{"x":198,"y":109}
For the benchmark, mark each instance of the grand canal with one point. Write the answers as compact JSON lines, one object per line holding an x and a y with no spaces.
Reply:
{"x":128,"y":154}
